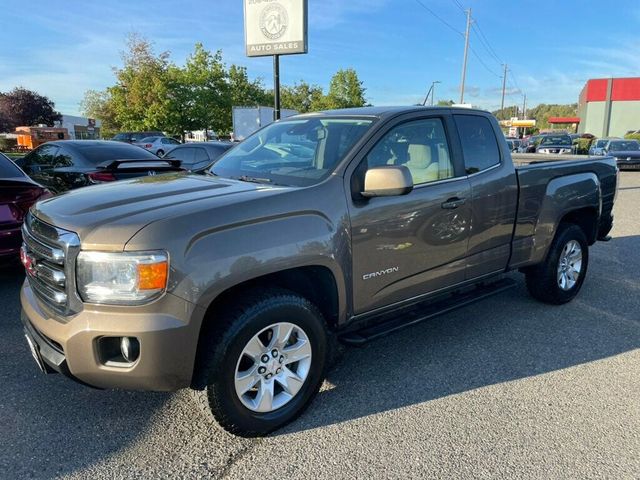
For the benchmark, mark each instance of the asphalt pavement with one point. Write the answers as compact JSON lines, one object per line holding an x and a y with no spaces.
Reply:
{"x":506,"y":388}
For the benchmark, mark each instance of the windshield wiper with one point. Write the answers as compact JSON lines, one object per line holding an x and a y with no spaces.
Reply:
{"x":246,"y":178}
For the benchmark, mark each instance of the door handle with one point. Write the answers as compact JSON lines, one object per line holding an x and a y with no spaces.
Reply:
{"x":453,"y":203}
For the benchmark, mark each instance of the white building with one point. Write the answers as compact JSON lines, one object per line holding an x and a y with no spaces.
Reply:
{"x":80,"y":128}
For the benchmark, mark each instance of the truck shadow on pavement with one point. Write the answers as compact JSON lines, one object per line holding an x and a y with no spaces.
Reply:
{"x":50,"y":425}
{"x":502,"y":339}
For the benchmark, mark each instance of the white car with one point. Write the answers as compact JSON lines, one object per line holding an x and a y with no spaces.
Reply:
{"x":157,"y":145}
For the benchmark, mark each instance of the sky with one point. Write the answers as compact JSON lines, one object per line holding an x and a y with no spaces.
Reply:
{"x":397,"y":47}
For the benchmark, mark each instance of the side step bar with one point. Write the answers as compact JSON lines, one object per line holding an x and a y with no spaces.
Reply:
{"x":423,"y":312}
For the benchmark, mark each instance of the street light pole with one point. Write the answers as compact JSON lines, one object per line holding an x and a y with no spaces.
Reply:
{"x":433,"y":91}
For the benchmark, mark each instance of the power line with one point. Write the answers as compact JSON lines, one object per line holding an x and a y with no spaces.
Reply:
{"x":442,"y":20}
{"x":459,"y":5}
{"x":483,"y":64}
{"x":486,"y":42}
{"x":486,"y":45}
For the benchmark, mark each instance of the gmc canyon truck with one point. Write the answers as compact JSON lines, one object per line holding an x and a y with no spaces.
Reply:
{"x":342,"y":225}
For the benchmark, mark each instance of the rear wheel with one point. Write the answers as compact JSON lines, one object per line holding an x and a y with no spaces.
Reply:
{"x":160,"y":153}
{"x":559,"y":279}
{"x":265,"y":364}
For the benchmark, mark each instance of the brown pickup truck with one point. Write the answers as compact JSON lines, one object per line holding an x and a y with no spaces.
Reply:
{"x":335,"y":225}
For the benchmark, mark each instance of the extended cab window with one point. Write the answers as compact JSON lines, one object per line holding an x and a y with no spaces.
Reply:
{"x":419,"y":145}
{"x":479,"y":143}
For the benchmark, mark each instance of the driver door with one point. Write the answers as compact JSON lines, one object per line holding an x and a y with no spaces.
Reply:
{"x":405,"y":247}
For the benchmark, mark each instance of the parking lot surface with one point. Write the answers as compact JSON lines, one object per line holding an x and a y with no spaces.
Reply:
{"x":504,"y":388}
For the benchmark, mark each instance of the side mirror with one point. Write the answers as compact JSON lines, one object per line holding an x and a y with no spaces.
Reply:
{"x":387,"y":181}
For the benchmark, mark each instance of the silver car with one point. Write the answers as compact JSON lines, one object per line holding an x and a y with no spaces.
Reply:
{"x":157,"y":145}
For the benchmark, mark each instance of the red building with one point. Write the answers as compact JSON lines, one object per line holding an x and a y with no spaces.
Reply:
{"x":610,"y":106}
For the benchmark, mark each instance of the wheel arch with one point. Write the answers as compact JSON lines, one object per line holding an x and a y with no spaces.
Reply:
{"x":317,"y":283}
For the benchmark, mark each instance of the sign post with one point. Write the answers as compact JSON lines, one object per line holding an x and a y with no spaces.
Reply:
{"x":274,"y":28}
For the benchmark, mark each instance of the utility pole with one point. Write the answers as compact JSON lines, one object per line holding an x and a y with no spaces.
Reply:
{"x":466,"y":51}
{"x":524,"y":107}
{"x":504,"y":85}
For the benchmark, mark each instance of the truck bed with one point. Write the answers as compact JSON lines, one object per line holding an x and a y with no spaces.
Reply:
{"x":523,"y":159}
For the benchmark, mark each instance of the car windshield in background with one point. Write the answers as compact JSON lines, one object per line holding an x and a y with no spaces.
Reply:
{"x":601,"y":143}
{"x":630,"y":146}
{"x":149,"y":139}
{"x":556,"y":140}
{"x":100,"y":154}
{"x":293,"y":152}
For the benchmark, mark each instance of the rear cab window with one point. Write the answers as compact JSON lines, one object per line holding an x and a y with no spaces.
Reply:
{"x":479,"y":143}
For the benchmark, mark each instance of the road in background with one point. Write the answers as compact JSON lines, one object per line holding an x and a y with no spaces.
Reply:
{"x":505,"y":388}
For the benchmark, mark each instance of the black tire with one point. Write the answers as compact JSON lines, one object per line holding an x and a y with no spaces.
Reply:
{"x":160,"y":153}
{"x":235,"y":327}
{"x":542,"y":280}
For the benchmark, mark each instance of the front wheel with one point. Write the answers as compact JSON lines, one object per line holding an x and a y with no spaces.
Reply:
{"x":267,"y":363}
{"x":559,"y":279}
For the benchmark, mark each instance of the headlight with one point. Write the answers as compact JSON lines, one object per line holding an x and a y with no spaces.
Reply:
{"x":121,"y":278}
{"x":543,"y":150}
{"x":565,"y":150}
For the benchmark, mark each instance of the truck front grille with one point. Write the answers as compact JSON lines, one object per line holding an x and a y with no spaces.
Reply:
{"x":50,"y":261}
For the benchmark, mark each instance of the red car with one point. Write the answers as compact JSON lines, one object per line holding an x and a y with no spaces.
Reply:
{"x":17,"y":193}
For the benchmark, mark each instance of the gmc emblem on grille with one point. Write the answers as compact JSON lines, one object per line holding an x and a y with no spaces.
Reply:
{"x":28,"y":261}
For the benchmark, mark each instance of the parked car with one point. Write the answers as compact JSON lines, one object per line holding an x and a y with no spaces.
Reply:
{"x":17,"y":194}
{"x":69,"y":164}
{"x":598,"y":145}
{"x":132,"y":137}
{"x":529,"y":144}
{"x":626,"y":153}
{"x":157,"y":145}
{"x":513,"y":145}
{"x":198,"y":156}
{"x":557,"y":144}
{"x":346,"y":224}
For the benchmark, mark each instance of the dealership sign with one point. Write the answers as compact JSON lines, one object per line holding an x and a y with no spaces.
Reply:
{"x":275,"y":27}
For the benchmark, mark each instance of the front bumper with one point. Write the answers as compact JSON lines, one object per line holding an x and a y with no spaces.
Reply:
{"x":633,"y":164}
{"x":167,"y":330}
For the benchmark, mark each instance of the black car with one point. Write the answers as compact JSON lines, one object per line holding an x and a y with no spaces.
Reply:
{"x":626,"y":153}
{"x":68,"y":164}
{"x":132,"y":137}
{"x":198,"y":156}
{"x":557,"y":144}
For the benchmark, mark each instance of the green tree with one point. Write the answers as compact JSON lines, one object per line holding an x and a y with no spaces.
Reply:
{"x":445,"y":103}
{"x":542,"y":112}
{"x":302,"y":97}
{"x":99,"y":105}
{"x":139,"y":97}
{"x":346,"y":90}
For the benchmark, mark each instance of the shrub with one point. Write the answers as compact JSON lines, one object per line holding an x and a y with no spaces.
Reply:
{"x":583,"y":145}
{"x":8,"y":144}
{"x":633,"y":136}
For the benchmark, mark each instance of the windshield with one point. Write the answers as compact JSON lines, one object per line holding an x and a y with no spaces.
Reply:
{"x":601,"y":143}
{"x":621,"y":146}
{"x":556,"y":140}
{"x":293,"y":152}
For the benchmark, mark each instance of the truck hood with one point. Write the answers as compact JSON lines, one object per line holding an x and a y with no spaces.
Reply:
{"x":125,"y":207}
